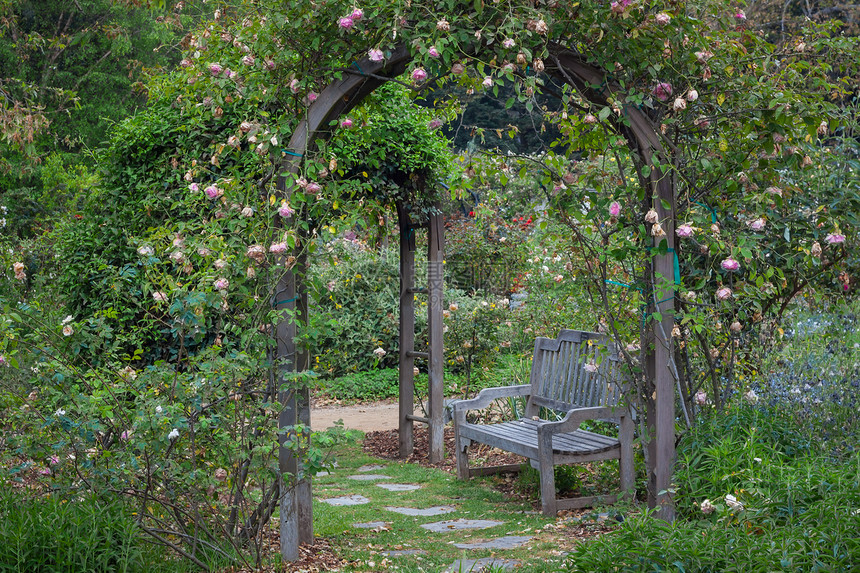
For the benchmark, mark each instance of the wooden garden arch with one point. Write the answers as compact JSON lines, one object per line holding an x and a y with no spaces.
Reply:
{"x":339,"y":98}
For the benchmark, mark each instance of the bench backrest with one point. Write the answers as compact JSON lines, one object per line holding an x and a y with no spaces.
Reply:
{"x":561,"y":378}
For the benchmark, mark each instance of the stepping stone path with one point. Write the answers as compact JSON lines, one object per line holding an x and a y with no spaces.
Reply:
{"x":368,"y":477}
{"x":398,"y":486}
{"x":370,"y":525}
{"x":373,"y":468}
{"x":428,"y":512}
{"x":346,"y":500}
{"x":478,"y":565}
{"x":507,"y":542}
{"x":471,"y":565}
{"x":443,"y":526}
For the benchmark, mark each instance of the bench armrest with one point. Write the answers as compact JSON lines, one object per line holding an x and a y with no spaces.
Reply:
{"x":485,"y":397}
{"x":574,"y":418}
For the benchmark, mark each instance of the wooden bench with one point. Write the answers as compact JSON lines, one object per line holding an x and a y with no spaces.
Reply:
{"x":563,"y":380}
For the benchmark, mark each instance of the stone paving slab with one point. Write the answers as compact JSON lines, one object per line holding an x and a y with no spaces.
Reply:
{"x":427,"y":512}
{"x":402,"y":552}
{"x":370,"y":468}
{"x":370,"y":524}
{"x":451,"y":525}
{"x":368,"y":477}
{"x":478,"y":565}
{"x":507,"y":542}
{"x":346,"y":500}
{"x":398,"y":486}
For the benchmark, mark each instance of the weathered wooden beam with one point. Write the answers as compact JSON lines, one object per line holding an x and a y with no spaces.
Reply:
{"x":407,"y":334}
{"x":436,"y":361}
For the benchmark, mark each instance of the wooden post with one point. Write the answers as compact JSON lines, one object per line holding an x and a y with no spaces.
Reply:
{"x":435,"y":292}
{"x":407,"y":332}
{"x":664,"y":380}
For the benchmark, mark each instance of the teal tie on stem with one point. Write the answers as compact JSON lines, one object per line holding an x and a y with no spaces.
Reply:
{"x":288,"y":152}
{"x":285,"y":301}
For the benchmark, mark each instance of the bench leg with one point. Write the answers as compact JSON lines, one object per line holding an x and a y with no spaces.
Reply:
{"x":547,"y":476}
{"x":462,"y":455}
{"x":625,"y":463}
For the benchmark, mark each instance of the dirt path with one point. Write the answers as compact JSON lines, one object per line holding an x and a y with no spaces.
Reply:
{"x":367,"y":417}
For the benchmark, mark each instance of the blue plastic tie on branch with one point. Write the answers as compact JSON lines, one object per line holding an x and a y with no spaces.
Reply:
{"x":711,"y":209}
{"x":295,"y":298}
{"x":359,"y":68}
{"x":294,"y":154}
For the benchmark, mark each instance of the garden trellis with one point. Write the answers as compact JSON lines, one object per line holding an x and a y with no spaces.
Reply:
{"x":337,"y":99}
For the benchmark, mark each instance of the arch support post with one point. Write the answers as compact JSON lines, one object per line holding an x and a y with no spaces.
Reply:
{"x":436,"y":358}
{"x":407,"y":333}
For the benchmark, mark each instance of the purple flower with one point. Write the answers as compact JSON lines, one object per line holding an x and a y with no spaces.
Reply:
{"x":278,"y":248}
{"x":194,"y":187}
{"x":419,"y":75}
{"x":834,"y":239}
{"x":488,"y":82}
{"x":222,"y":284}
{"x":730,"y":265}
{"x":312,"y":96}
{"x":375,"y":55}
{"x":435,"y":123}
{"x":346,"y":123}
{"x":724,"y":293}
{"x":313,"y":187}
{"x":356,"y":15}
{"x":215,"y":68}
{"x":615,"y":208}
{"x":346,"y":23}
{"x":662,"y":18}
{"x":433,"y":52}
{"x":662,"y":91}
{"x":757,"y":225}
{"x":684,"y":231}
{"x":508,"y":43}
{"x":740,"y":15}
{"x":285,"y":211}
{"x":248,"y":60}
{"x":213,"y":192}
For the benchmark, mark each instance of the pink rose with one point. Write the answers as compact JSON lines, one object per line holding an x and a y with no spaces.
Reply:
{"x":701,"y":398}
{"x":346,"y":123}
{"x":215,"y":68}
{"x":834,"y":239}
{"x":213,"y":192}
{"x":222,"y":284}
{"x":757,"y":225}
{"x":312,"y":96}
{"x":740,"y":15}
{"x":248,"y":60}
{"x":285,"y":211}
{"x":662,"y":18}
{"x":508,"y":43}
{"x":346,"y":23}
{"x":684,"y":231}
{"x":419,"y":75}
{"x":488,"y":82}
{"x":313,"y":187}
{"x":724,"y":293}
{"x":356,"y":15}
{"x":433,"y":52}
{"x":615,"y":208}
{"x":194,"y":187}
{"x":278,"y":248}
{"x":434,"y":123}
{"x":662,"y":91}
{"x":375,"y":55}
{"x":730,"y":265}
